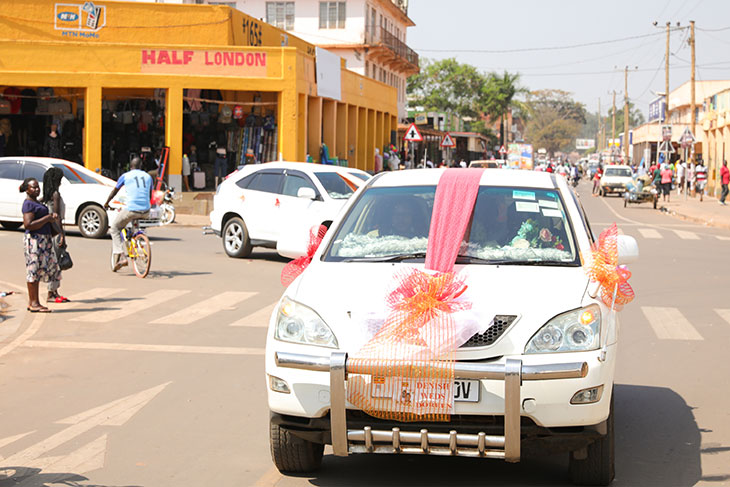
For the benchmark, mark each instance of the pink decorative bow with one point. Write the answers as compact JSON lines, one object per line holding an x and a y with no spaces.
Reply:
{"x":294,"y":268}
{"x":603,"y":267}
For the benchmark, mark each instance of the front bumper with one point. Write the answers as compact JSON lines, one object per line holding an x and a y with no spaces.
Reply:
{"x":397,"y":439}
{"x":613,"y":188}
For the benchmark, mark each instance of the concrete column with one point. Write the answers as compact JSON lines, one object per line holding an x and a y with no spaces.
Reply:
{"x":329,"y":126}
{"x":341,"y":130}
{"x":174,"y":134}
{"x":302,"y":129}
{"x":379,"y":133}
{"x":352,"y":132}
{"x":288,"y":125}
{"x":92,"y":128}
{"x":314,"y":127}
{"x":362,"y":135}
{"x":370,"y":143}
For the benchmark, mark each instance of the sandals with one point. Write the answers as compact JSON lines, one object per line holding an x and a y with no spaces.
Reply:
{"x":39,"y":309}
{"x":57,"y":298}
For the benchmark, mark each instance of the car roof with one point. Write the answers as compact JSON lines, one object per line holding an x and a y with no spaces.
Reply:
{"x":48,"y":161}
{"x":302,"y":166}
{"x":490,"y":177}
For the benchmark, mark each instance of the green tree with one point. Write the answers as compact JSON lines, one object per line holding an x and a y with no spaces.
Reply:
{"x":636,"y":118}
{"x":498,"y":97}
{"x":555,"y":120}
{"x":447,"y":86}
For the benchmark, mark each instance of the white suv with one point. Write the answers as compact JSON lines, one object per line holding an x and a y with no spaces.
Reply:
{"x":538,"y":377}
{"x":272,"y":205}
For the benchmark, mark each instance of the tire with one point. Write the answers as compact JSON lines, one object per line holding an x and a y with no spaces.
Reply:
{"x":168,"y":214}
{"x":11,"y":225}
{"x":601,"y":193}
{"x":599,"y":466}
{"x":293,"y":454}
{"x":235,"y":238}
{"x":142,"y":252}
{"x":656,"y":198}
{"x":626,"y":202}
{"x":93,"y":222}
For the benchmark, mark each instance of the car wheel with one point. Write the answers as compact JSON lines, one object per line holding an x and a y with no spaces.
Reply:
{"x":235,"y":238}
{"x":598,"y":468}
{"x":601,"y":193}
{"x":93,"y":222}
{"x":11,"y":225}
{"x":293,"y":454}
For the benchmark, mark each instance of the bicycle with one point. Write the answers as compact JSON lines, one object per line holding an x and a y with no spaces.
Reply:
{"x":138,"y":249}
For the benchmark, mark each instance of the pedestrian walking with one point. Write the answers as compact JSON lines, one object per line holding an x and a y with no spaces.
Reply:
{"x":221,"y":165}
{"x":597,"y":180}
{"x":54,"y":202}
{"x":681,"y":174}
{"x":666,"y":182}
{"x":690,"y":177}
{"x":701,"y":178}
{"x":378,"y":161}
{"x":724,"y":181}
{"x":40,"y":260}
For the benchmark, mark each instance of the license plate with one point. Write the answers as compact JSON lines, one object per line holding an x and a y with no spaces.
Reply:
{"x":466,"y":390}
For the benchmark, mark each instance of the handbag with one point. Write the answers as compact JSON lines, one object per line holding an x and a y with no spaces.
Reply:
{"x":64,"y":258}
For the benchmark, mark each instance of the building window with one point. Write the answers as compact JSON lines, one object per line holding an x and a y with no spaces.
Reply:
{"x":280,"y":14}
{"x":331,"y":15}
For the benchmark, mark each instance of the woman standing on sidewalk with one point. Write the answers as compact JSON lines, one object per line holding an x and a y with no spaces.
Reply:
{"x":40,"y":260}
{"x":52,"y":199}
{"x":666,"y":174}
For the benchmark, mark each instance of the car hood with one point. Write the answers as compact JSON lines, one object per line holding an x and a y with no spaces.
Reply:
{"x":351,"y":296}
{"x":616,"y":179}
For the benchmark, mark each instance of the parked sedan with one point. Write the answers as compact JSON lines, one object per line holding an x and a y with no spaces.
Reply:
{"x":83,"y":191}
{"x":275,"y":204}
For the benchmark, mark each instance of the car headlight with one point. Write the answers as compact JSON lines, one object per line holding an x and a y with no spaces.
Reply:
{"x":577,"y":330}
{"x":297,"y":323}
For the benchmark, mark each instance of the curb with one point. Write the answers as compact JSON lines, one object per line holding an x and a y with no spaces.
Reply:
{"x":709,"y":223}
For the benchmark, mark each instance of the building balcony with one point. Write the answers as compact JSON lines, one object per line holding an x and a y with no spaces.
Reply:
{"x":385,"y":48}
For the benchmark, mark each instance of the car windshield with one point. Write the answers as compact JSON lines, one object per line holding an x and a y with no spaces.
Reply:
{"x":337,"y":187}
{"x":359,"y":175}
{"x":510,"y":225}
{"x":618,"y":171}
{"x":73,"y":177}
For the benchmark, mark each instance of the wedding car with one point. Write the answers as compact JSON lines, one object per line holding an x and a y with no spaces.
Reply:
{"x":537,"y":375}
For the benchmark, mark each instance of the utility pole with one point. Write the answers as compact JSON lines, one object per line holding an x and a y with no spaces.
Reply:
{"x":666,"y":76}
{"x":626,"y":114}
{"x":613,"y":124}
{"x":692,"y":80}
{"x":600,"y":128}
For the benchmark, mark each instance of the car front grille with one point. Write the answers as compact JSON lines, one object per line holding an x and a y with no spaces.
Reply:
{"x":501,"y":324}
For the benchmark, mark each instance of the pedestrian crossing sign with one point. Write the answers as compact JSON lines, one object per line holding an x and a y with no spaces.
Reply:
{"x":447,"y":141}
{"x":412,"y":134}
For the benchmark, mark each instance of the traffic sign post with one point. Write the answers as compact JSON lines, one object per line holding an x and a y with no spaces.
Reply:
{"x":502,"y":150}
{"x":412,"y":134}
{"x":447,"y":141}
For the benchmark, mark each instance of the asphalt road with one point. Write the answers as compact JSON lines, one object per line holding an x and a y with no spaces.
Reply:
{"x":160,"y":382}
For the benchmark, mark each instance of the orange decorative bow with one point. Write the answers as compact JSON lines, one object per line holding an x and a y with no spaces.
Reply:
{"x":603,"y":267}
{"x":294,"y":268}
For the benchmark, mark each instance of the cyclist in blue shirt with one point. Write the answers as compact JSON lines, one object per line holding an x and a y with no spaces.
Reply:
{"x":138,"y":185}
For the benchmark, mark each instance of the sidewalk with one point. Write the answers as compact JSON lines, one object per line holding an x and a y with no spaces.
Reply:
{"x":708,"y":212}
{"x":182,"y":220}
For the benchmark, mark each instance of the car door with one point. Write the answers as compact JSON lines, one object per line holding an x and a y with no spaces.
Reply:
{"x":295,"y":213}
{"x":261,"y":200}
{"x":10,"y":179}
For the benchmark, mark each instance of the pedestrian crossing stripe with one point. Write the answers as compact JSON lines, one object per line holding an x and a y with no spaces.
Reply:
{"x":132,"y":307}
{"x":259,"y":318}
{"x":670,"y":323}
{"x":684,"y":235}
{"x":724,"y":314}
{"x":649,"y":233}
{"x":202,"y":309}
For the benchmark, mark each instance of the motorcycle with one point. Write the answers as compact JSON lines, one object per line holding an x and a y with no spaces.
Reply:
{"x":167,"y":207}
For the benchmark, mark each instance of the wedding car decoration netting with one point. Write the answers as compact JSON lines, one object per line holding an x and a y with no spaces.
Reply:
{"x":602,"y":266}
{"x":293,"y":269}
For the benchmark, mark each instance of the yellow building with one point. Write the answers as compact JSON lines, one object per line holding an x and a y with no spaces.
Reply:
{"x":716,"y":130}
{"x":124,"y":76}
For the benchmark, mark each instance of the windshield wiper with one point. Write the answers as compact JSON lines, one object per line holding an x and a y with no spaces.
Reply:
{"x":387,"y":258}
{"x":552,"y":263}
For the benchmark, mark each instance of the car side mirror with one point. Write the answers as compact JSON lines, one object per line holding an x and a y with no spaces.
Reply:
{"x":628,"y":249}
{"x":307,"y":193}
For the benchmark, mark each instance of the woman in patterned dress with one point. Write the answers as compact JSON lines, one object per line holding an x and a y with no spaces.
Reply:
{"x":40,"y":259}
{"x":53,"y":200}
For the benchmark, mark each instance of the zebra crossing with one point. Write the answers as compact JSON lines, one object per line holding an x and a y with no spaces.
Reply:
{"x":667,"y":323}
{"x":105,"y":305}
{"x":654,"y":234}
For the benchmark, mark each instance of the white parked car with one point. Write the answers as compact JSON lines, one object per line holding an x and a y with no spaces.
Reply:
{"x":540,"y":378}
{"x":616,"y":180}
{"x":272,"y":204}
{"x":84,"y":193}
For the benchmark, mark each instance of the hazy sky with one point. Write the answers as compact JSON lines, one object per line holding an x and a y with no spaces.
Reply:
{"x":450,"y":29}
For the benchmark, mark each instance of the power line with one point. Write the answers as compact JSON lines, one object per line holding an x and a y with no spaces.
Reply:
{"x":550,"y":48}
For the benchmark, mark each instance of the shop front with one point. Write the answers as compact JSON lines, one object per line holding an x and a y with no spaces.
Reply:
{"x":126,"y":79}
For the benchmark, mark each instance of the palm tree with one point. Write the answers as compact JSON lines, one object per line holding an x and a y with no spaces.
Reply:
{"x":498,"y":97}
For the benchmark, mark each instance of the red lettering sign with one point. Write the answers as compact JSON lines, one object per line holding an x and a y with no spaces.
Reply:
{"x":224,"y":63}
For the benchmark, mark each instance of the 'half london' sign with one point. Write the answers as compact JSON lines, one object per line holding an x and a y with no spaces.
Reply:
{"x":209,"y":62}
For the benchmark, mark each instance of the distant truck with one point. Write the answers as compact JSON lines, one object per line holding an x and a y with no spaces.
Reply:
{"x":519,"y":156}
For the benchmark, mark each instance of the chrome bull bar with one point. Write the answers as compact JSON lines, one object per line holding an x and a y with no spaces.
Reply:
{"x":367,"y":440}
